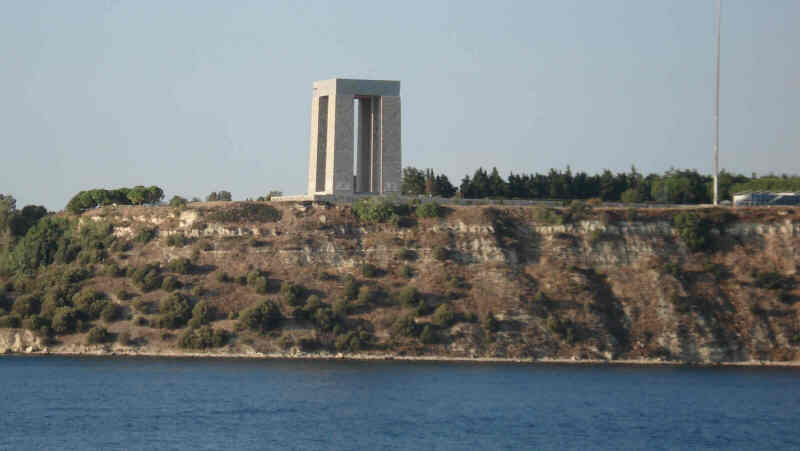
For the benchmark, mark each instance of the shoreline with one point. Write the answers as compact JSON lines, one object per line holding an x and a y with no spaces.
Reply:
{"x":403,"y":358}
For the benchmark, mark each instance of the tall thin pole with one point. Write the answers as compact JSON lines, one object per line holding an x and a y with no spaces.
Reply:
{"x":716,"y":110}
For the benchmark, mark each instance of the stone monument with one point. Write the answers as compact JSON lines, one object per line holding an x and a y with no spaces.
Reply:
{"x":336,"y":154}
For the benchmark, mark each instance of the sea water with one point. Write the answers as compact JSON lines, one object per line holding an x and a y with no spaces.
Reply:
{"x":188,"y":404}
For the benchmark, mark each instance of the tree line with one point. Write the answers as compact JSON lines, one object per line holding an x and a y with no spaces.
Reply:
{"x":683,"y":186}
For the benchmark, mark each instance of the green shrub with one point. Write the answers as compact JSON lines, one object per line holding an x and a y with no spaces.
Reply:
{"x":252,"y":276}
{"x":143,"y":306}
{"x":674,"y":270}
{"x":256,"y":243}
{"x":89,"y":256}
{"x":631,"y":196}
{"x":772,"y":280}
{"x":292,"y":293}
{"x":75,"y":275}
{"x":351,"y":286}
{"x":11,"y":321}
{"x":682,"y":304}
{"x":147,"y":277}
{"x":261,"y":285}
{"x":405,"y":326}
{"x":422,"y":308}
{"x":565,"y":328}
{"x":36,"y":323}
{"x":203,"y":312}
{"x":26,"y":305}
{"x":90,"y":303}
{"x":175,"y":311}
{"x":195,"y":323}
{"x":693,"y":230}
{"x":244,"y":212}
{"x":407,"y":272}
{"x":114,"y":270}
{"x":407,"y":296}
{"x":178,"y":201}
{"x":373,"y":210}
{"x":98,"y":335}
{"x":548,"y":216}
{"x":441,"y":253}
{"x":579,"y":210}
{"x":325,"y":319}
{"x":261,"y":318}
{"x":443,"y":316}
{"x":124,"y":295}
{"x":146,"y":234}
{"x":110,"y":313}
{"x":223,"y":277}
{"x":429,"y":210}
{"x":786,"y":297}
{"x":369,"y":270}
{"x":180,"y":266}
{"x":313,"y":302}
{"x":203,"y":338}
{"x":352,"y":341}
{"x":428,"y":335}
{"x":366,"y":296}
{"x":65,"y":320}
{"x":120,"y":246}
{"x":341,"y":307}
{"x":124,"y":338}
{"x":407,"y":254}
{"x":490,"y":323}
{"x":198,"y":291}
{"x":170,"y":283}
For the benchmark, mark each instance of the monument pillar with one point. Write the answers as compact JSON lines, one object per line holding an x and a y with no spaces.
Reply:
{"x":378,"y":163}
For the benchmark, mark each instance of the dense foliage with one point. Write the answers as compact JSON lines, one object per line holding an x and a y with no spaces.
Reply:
{"x":245,"y":212}
{"x":137,"y":195}
{"x":373,"y":210}
{"x":417,"y":182}
{"x":261,"y":318}
{"x":219,"y":196}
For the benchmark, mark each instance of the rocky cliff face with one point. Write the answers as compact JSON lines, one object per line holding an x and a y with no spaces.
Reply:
{"x":602,"y":284}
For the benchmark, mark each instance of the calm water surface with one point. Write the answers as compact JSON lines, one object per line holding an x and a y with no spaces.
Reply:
{"x":137,"y":403}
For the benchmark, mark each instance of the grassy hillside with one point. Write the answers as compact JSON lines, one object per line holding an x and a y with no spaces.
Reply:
{"x":376,"y":278}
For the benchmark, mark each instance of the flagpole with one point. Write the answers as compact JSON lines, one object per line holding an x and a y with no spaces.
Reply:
{"x":716,"y":109}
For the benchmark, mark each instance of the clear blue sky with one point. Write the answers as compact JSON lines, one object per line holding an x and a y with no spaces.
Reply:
{"x":198,"y":96}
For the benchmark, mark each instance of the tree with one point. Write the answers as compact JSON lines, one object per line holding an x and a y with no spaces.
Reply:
{"x":429,"y":188}
{"x":20,"y":222}
{"x":413,"y":181}
{"x":224,"y":196}
{"x":177,"y":201}
{"x":443,"y":187}
{"x":154,"y":195}
{"x":8,"y":207}
{"x":203,"y":312}
{"x":138,"y":195}
{"x":261,"y":318}
{"x":496,"y":185}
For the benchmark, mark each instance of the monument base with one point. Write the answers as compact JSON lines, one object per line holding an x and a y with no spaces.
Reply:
{"x":334,"y":198}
